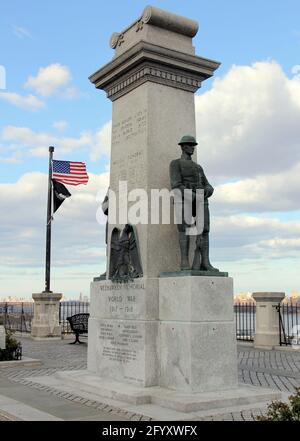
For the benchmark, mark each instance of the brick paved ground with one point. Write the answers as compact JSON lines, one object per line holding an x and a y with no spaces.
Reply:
{"x":275,"y":369}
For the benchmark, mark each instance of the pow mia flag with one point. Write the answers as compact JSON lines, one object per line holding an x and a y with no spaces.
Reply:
{"x":60,"y":193}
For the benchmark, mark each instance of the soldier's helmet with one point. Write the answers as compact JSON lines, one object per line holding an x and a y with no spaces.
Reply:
{"x":188,"y":139}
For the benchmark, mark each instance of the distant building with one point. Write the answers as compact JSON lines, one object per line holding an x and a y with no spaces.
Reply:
{"x":293,"y":298}
{"x":11,"y":299}
{"x":243,"y":298}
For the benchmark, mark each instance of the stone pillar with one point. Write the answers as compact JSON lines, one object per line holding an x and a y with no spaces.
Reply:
{"x":45,"y":323}
{"x":267,"y":320}
{"x":2,"y":337}
{"x":151,"y":82}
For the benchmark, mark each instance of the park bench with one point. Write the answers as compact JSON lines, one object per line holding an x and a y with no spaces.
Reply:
{"x":79,"y":325}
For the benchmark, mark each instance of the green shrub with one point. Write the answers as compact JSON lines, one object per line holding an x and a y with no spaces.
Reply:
{"x":279,"y":411}
{"x":13,"y":348}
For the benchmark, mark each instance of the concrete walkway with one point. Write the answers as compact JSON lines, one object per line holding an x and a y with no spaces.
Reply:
{"x":24,"y":399}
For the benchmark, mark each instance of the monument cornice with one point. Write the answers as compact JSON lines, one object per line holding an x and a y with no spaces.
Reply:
{"x":148,"y":62}
{"x":161,"y":19}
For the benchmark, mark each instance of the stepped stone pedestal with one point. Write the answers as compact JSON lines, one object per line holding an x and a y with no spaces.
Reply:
{"x":174,"y":332}
{"x":45,"y":323}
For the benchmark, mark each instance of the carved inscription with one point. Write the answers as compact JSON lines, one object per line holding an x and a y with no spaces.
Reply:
{"x":122,"y":304}
{"x":117,"y":354}
{"x":118,"y":286}
{"x":130,"y":167}
{"x":129,"y":127}
{"x":121,"y":342}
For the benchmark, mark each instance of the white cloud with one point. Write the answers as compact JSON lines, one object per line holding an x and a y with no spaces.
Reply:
{"x":36,"y":143}
{"x":14,"y":159}
{"x":29,"y":102}
{"x":50,"y":79}
{"x":248,"y":133}
{"x":241,"y":237}
{"x":23,"y":208}
{"x":279,"y":244}
{"x":248,"y":123}
{"x":10,"y":158}
{"x":78,"y":240}
{"x":60,"y":125}
{"x":275,"y":192}
{"x":21,"y":32}
{"x":72,"y":93}
{"x":102,"y":142}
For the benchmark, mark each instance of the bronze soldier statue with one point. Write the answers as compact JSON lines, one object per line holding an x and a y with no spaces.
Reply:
{"x":187,"y":174}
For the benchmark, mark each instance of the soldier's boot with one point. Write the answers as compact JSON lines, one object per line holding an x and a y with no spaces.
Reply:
{"x":197,"y":256}
{"x":205,"y":264}
{"x":184,"y":242}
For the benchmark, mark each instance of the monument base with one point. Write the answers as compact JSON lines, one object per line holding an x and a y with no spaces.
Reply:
{"x":45,"y":323}
{"x":123,"y":331}
{"x":173,"y":332}
{"x":198,"y":350}
{"x":157,"y":402}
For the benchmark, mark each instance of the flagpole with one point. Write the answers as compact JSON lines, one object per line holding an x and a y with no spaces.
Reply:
{"x":49,"y":218}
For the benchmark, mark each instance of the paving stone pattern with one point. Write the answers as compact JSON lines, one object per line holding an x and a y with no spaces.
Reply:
{"x":274,"y":369}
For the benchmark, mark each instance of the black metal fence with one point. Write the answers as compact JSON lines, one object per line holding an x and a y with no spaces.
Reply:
{"x":245,"y":314}
{"x":289,"y":324}
{"x":18,"y":316}
{"x":69,"y":308}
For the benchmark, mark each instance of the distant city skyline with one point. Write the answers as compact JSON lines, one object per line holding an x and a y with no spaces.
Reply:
{"x":16,"y":299}
{"x":242,"y":297}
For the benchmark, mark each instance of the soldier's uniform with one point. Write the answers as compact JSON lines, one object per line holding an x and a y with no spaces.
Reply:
{"x":187,"y":174}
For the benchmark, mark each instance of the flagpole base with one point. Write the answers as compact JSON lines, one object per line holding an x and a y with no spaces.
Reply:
{"x":45,"y":324}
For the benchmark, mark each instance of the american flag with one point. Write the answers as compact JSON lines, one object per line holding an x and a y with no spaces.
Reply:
{"x":68,"y":172}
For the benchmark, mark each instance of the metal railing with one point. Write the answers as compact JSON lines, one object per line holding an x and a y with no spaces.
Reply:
{"x":245,"y":314}
{"x":18,"y":316}
{"x":69,"y":308}
{"x":289,"y":324}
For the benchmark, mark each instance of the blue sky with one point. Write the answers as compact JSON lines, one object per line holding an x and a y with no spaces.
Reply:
{"x":74,"y":36}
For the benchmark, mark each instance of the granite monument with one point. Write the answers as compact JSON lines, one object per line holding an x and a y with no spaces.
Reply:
{"x":167,"y":337}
